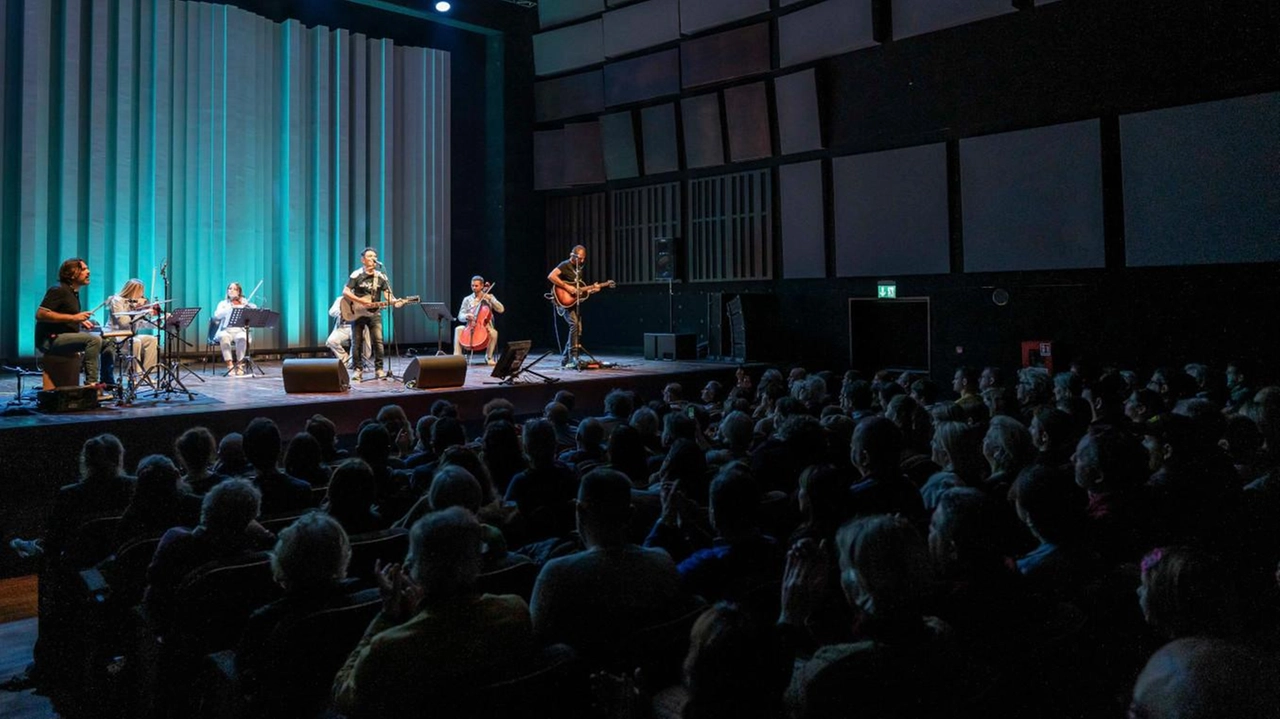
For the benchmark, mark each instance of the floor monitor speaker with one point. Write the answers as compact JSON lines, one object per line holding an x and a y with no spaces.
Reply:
{"x":315,"y":375}
{"x":435,"y":372}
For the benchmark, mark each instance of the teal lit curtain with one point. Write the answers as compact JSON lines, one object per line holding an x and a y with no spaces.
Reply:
{"x":236,"y":148}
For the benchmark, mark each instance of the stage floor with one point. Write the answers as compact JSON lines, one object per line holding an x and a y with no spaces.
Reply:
{"x":39,"y":451}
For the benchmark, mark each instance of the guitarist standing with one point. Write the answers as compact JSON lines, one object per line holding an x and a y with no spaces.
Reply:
{"x":364,"y":293}
{"x":568,"y":276}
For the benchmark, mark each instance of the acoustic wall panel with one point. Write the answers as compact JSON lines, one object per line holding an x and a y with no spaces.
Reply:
{"x":584,"y":154}
{"x":658,"y":128}
{"x":555,"y":12}
{"x":568,"y":96}
{"x":548,"y":159}
{"x":703,"y":141}
{"x":796,"y":96}
{"x":891,"y":212}
{"x":568,"y":48}
{"x":916,"y":17}
{"x":1200,"y":183}
{"x":619,"y":137}
{"x":642,"y":78}
{"x":1032,"y":199}
{"x":698,"y":15}
{"x":828,"y":28}
{"x":639,"y":26}
{"x":804,"y":246}
{"x":725,"y":56}
{"x":747,"y":111}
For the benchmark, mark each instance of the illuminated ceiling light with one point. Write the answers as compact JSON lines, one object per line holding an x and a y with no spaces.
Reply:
{"x":443,"y":6}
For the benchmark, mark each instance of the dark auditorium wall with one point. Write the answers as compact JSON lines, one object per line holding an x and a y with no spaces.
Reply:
{"x":1055,"y":63}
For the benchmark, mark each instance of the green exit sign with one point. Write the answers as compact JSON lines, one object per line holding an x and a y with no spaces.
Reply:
{"x":887,"y":290}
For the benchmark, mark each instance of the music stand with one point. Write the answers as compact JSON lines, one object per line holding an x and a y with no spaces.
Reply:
{"x":437,"y":312}
{"x":168,"y":371}
{"x":252,"y":318}
{"x":510,"y":366}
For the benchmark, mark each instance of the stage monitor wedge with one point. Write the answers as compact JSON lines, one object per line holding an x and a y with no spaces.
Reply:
{"x":315,"y":375}
{"x":435,"y":372}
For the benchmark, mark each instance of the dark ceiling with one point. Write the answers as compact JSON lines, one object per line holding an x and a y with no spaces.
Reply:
{"x":477,"y":15}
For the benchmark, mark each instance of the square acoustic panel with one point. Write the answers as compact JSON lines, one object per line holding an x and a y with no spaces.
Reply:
{"x":643,"y":25}
{"x":569,"y":96}
{"x":828,"y":28}
{"x":747,"y":112}
{"x":584,"y":154}
{"x":1032,"y":199}
{"x":568,"y":48}
{"x":658,"y":129}
{"x":891,"y":213}
{"x":916,"y":17}
{"x":642,"y":78}
{"x":725,"y":56}
{"x":799,"y":124}
{"x":703,"y":140}
{"x":699,"y":15}
{"x":618,"y":132}
{"x":804,"y":244}
{"x":556,"y":12}
{"x":548,"y":160}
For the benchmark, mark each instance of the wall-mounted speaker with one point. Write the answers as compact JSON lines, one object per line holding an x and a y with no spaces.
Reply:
{"x":435,"y":372}
{"x":315,"y":375}
{"x":666,"y":259}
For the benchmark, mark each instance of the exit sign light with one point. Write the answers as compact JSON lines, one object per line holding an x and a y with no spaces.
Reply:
{"x":887,"y":290}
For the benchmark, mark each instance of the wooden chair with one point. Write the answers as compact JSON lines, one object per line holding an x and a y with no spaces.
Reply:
{"x":517,"y":579}
{"x":388,"y":545}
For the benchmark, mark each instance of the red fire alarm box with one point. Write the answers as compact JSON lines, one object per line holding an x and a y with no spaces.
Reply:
{"x":1038,"y":353}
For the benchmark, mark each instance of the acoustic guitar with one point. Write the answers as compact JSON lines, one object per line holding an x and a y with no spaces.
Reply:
{"x":352,"y":311}
{"x":566,"y":299}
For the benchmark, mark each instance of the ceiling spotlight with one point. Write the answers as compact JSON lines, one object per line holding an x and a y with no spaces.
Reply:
{"x":443,"y":6}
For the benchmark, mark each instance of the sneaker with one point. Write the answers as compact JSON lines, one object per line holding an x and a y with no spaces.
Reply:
{"x":489,"y":361}
{"x":380,"y":374}
{"x":357,"y":376}
{"x":239,"y":371}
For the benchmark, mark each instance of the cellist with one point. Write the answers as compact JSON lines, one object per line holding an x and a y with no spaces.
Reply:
{"x":476,"y":316}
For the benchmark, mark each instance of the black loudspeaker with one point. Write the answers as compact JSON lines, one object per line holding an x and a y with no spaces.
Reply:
{"x":315,"y":375}
{"x":668,"y":346}
{"x":756,"y":331}
{"x":433,"y":372}
{"x":67,"y":399}
{"x":666,"y":259}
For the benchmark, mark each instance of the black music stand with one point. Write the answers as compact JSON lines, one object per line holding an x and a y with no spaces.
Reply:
{"x":169,"y":371}
{"x":510,"y":366}
{"x":437,"y":312}
{"x":252,"y":318}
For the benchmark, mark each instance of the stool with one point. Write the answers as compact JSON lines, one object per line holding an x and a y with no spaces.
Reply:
{"x":61,"y":370}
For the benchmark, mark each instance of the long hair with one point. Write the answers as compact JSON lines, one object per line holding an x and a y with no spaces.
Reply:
{"x":132,"y":289}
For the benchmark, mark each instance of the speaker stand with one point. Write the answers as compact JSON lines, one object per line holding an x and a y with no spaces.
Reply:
{"x":670,"y":306}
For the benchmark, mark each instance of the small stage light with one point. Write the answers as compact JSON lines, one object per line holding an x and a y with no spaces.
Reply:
{"x":443,"y":6}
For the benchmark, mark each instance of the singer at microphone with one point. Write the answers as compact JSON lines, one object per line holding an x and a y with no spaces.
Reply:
{"x":366,"y":288}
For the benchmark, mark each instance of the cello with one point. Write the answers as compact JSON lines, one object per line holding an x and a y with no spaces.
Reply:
{"x":475,"y":336}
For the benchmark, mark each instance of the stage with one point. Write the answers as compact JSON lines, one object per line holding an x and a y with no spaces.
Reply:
{"x":40,"y":451}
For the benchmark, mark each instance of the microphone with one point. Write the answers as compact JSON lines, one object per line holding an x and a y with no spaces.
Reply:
{"x":379,"y":263}
{"x":164,"y":266}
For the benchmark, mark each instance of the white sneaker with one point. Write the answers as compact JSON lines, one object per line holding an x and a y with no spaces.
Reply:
{"x":380,"y":374}
{"x":357,"y":376}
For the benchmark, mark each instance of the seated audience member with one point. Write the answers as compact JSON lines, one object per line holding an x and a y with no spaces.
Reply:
{"x":1242,"y":442}
{"x":281,"y":494}
{"x":626,"y":454}
{"x":436,"y":634}
{"x":160,"y":501}
{"x":1107,"y":395}
{"x":856,"y":400}
{"x":1052,"y":508}
{"x":454,"y":486}
{"x":501,"y":452}
{"x":925,"y":391}
{"x":595,"y":599}
{"x":965,"y":384}
{"x":326,"y":433}
{"x":309,"y":563}
{"x":305,"y":460}
{"x":957,"y":449}
{"x":1008,"y":448}
{"x":231,"y":460}
{"x":916,"y":425}
{"x":1110,"y":466}
{"x":104,"y":490}
{"x":1172,"y":384}
{"x":673,"y":396}
{"x":735,"y":667}
{"x":838,"y":429}
{"x":685,"y":466}
{"x":589,"y":448}
{"x":1053,"y":434}
{"x":1066,"y":386}
{"x":1206,"y":678}
{"x":899,"y":662}
{"x":617,"y":410}
{"x":1195,"y":498}
{"x":875,"y":452}
{"x":393,"y":417}
{"x":558,"y":415}
{"x":1034,"y":390}
{"x":227,"y":528}
{"x":352,"y":496}
{"x":1241,"y":383}
{"x":446,"y":432}
{"x":1143,"y":404}
{"x":195,"y":449}
{"x":646,"y":422}
{"x":739,"y":559}
{"x":734,"y":436}
{"x":990,"y":377}
{"x":797,"y":442}
{"x":543,"y":491}
{"x":1186,"y":592}
{"x":712,"y":398}
{"x":421,"y":453}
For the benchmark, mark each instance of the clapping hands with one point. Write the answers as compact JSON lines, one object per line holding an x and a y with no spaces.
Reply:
{"x":805,"y":582}
{"x":400,"y":594}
